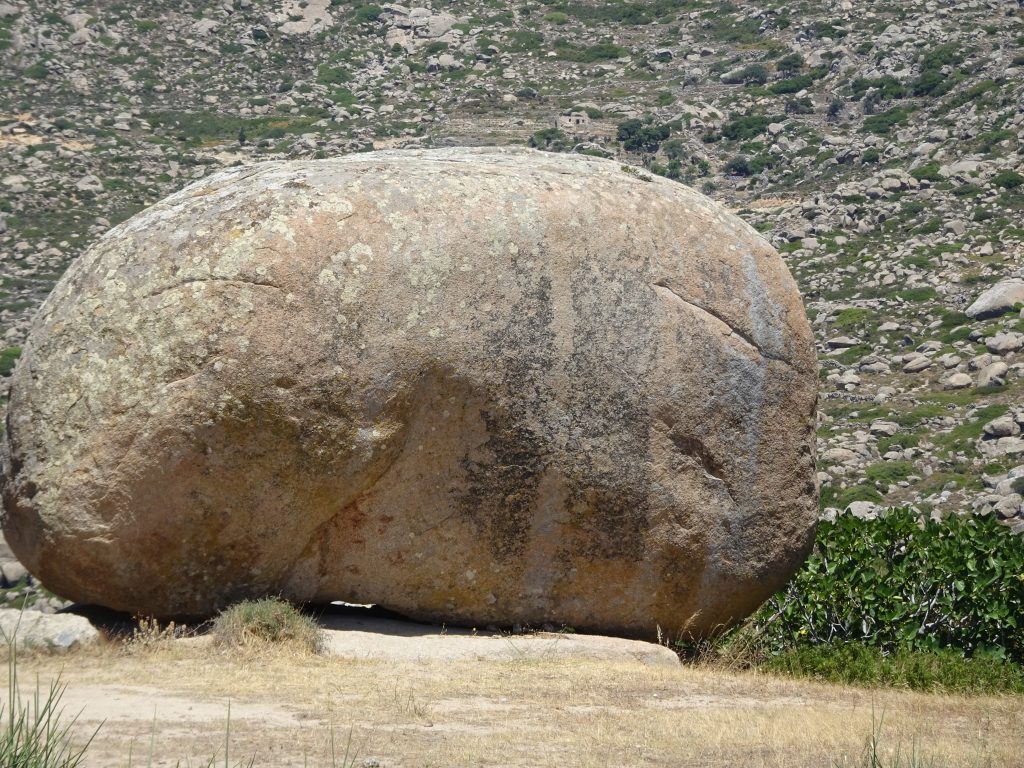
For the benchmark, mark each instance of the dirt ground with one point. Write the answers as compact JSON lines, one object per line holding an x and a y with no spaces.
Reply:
{"x":168,"y":704}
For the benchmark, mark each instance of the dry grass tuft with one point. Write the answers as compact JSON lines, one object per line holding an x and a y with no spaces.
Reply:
{"x":259,"y":624}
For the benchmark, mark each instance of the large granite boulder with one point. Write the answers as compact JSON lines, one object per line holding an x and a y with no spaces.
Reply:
{"x":473,"y":386}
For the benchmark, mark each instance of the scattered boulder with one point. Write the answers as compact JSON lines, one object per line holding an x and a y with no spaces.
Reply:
{"x":46,"y":631}
{"x":1001,"y":297}
{"x":473,"y":386}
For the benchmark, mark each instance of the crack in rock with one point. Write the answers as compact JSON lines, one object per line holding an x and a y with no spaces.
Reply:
{"x":229,"y":281}
{"x":744,"y":337}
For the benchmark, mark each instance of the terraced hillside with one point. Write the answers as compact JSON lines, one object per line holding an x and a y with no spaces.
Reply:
{"x":877,"y":145}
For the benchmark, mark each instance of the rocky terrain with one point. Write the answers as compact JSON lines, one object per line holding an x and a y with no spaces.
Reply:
{"x":878,"y":146}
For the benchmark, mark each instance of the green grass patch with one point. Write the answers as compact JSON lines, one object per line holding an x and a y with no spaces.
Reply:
{"x":269,"y":621}
{"x":889,"y":472}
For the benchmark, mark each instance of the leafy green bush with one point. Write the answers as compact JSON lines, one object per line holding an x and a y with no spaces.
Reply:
{"x":927,"y":172}
{"x":752,"y":74}
{"x":903,"y":583}
{"x":37,"y":71}
{"x":745,"y":127}
{"x":887,"y":86}
{"x":738,"y":166}
{"x":883,"y":123}
{"x":365,"y":14}
{"x":790,"y":63}
{"x":639,"y":136}
{"x":791,"y":85}
{"x":256,"y":623}
{"x":550,"y":139}
{"x":1008,"y":179}
{"x":328,"y":75}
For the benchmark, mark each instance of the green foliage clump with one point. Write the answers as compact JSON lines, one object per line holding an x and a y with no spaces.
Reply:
{"x":258,"y":623}
{"x":8,"y":358}
{"x":525,"y":40}
{"x":640,"y":136}
{"x":852,"y":317}
{"x":887,"y":86}
{"x":746,"y":127}
{"x":550,"y":139}
{"x":932,"y":81}
{"x":328,"y":75}
{"x":37,"y":71}
{"x":790,"y":63}
{"x":927,"y":172}
{"x":792,"y":85}
{"x":904,"y":583}
{"x":883,"y":123}
{"x":366,"y":14}
{"x":1008,"y":179}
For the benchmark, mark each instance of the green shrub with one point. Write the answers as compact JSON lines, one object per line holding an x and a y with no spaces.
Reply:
{"x":37,"y":71}
{"x":917,"y":295}
{"x":790,"y":63}
{"x":746,"y":127}
{"x":258,"y":623}
{"x":753,"y":74}
{"x":8,"y":358}
{"x":738,"y":166}
{"x":328,"y":75}
{"x":1008,"y":179}
{"x":550,"y":139}
{"x":639,"y":136}
{"x":903,"y":582}
{"x":365,"y":14}
{"x":525,"y":40}
{"x":887,"y":86}
{"x":927,"y":172}
{"x":791,"y":85}
{"x":883,"y":123}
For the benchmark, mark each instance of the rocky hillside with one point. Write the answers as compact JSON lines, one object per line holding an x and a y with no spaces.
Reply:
{"x":878,"y":145}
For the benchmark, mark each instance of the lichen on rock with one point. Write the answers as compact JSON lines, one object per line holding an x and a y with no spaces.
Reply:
{"x":476,"y":386}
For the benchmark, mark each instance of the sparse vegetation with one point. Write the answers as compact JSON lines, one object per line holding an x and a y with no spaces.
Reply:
{"x":258,"y":624}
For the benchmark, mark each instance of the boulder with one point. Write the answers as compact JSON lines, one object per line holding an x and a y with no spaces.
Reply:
{"x":42,"y":631}
{"x":1000,"y":298}
{"x":473,"y":386}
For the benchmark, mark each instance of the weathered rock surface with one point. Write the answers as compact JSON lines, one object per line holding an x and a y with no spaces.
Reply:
{"x":51,"y":632}
{"x":998,"y":299}
{"x":475,"y":386}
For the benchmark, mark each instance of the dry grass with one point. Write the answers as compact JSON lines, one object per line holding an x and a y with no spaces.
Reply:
{"x":537,"y":713}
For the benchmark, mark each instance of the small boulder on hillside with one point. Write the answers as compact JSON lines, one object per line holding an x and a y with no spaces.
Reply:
{"x":1001,"y":297}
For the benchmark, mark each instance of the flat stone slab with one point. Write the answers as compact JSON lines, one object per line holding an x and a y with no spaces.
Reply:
{"x":378,"y":638}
